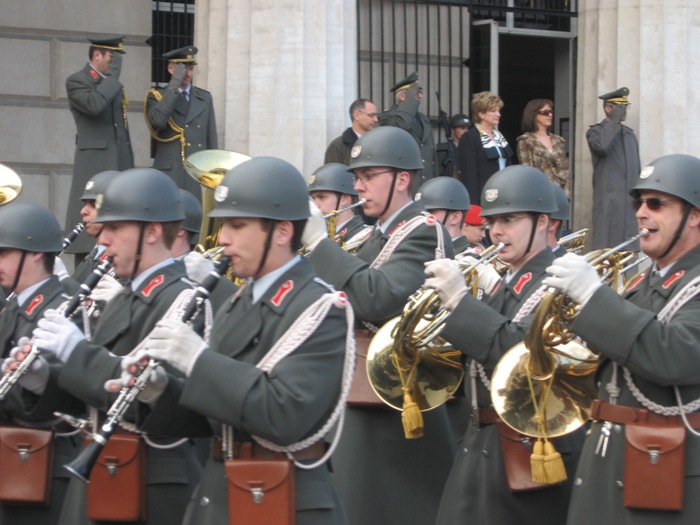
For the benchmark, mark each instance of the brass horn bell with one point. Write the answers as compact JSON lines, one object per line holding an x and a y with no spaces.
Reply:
{"x":10,"y":185}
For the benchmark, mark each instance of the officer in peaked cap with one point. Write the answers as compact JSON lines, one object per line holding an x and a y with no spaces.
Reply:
{"x":619,"y":96}
{"x":404,"y":114}
{"x":110,"y":43}
{"x":180,"y":118}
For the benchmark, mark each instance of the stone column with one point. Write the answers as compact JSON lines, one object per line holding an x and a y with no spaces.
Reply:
{"x":653,"y":48}
{"x":282,"y":74}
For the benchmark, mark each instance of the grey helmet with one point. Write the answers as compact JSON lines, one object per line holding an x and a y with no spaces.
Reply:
{"x":193,"y":212}
{"x":142,"y":195}
{"x":386,"y":146}
{"x":265,"y":188}
{"x":97,"y":184}
{"x":676,"y":174}
{"x":333,"y":176}
{"x":444,"y":193}
{"x":562,"y":212}
{"x":517,"y":188}
{"x":30,"y":228}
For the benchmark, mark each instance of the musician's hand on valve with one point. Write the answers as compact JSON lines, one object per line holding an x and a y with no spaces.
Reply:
{"x":447,"y":280}
{"x":573,"y":275}
{"x":175,"y":343}
{"x":197,"y":266}
{"x":106,"y":289}
{"x":131,"y":366}
{"x":57,"y":334}
{"x":36,"y":376}
{"x":315,"y":230}
{"x":487,"y":274}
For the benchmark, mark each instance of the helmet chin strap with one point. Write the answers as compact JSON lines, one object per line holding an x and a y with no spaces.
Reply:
{"x":266,"y":249}
{"x":137,"y":258}
{"x":532,"y":231}
{"x":391,"y":193}
{"x":679,"y":232}
{"x":18,"y":273}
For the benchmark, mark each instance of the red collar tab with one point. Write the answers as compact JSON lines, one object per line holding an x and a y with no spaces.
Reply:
{"x":35,"y":302}
{"x":524,"y":279}
{"x":282,"y":293}
{"x":397,"y":227}
{"x":633,"y":284}
{"x":155,"y":282}
{"x":673,"y":279}
{"x":94,"y":74}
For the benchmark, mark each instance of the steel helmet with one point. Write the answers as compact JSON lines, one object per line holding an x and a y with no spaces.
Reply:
{"x":517,"y":188}
{"x":386,"y":146}
{"x":193,"y":212}
{"x":333,"y":176}
{"x":29,"y":227}
{"x":140,"y":194}
{"x":265,"y":188}
{"x":562,"y":212}
{"x":444,"y":193}
{"x":676,"y":174}
{"x":97,"y":184}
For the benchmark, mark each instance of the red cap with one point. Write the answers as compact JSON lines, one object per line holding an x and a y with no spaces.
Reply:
{"x":474,"y":216}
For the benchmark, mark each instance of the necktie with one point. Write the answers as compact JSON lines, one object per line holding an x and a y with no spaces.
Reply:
{"x":185,"y":96}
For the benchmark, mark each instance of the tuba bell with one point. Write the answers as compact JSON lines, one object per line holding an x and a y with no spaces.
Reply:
{"x":10,"y":185}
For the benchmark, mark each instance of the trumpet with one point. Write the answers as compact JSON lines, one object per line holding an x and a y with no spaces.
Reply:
{"x":69,"y":308}
{"x":574,"y":242}
{"x":82,"y":465}
{"x":409,"y":366}
{"x":332,"y":217}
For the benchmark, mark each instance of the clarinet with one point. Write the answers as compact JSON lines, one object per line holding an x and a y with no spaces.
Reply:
{"x":82,"y":465}
{"x":73,"y":235}
{"x":69,"y":308}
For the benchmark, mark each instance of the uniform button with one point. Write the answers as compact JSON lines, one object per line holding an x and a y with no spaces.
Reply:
{"x":486,"y":453}
{"x":188,"y":144}
{"x":588,"y":432}
{"x":198,"y":126}
{"x":199,"y":145}
{"x":619,"y":484}
{"x":187,"y":125}
{"x":465,"y":450}
{"x":578,"y":482}
{"x":617,"y":428}
{"x":204,"y":502}
{"x":256,"y":340}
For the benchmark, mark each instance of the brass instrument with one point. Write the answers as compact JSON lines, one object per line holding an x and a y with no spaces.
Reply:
{"x":409,"y":366}
{"x":574,"y":242}
{"x":10,"y":185}
{"x":544,"y":387}
{"x":490,"y":254}
{"x":332,"y":217}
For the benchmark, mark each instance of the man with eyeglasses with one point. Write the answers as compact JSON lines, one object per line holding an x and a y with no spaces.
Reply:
{"x":363,"y":117}
{"x":649,"y":375}
{"x":379,"y":472}
{"x":516,"y":203}
{"x":616,"y":165}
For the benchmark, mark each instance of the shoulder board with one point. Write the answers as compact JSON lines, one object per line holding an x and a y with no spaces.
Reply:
{"x":323,"y":283}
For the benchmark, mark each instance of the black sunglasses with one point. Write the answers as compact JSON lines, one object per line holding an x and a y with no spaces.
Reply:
{"x":545,"y":112}
{"x":653,"y":203}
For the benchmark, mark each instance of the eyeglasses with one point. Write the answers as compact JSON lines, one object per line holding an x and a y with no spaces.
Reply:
{"x":506,"y":220}
{"x":364,"y":179}
{"x":653,"y":203}
{"x":370,"y":115}
{"x":545,"y":112}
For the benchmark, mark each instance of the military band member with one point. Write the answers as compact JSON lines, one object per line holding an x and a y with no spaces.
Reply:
{"x":140,"y":213}
{"x":181,"y":119}
{"x":516,"y":202}
{"x":474,"y":229}
{"x":448,"y":201}
{"x":29,"y":239}
{"x":98,"y":103}
{"x":649,"y":339}
{"x":331,"y":188}
{"x":386,"y":163}
{"x":263,"y":205}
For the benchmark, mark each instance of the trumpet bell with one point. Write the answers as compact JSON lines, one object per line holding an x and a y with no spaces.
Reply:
{"x":10,"y":185}
{"x":568,"y":402}
{"x":438,"y":374}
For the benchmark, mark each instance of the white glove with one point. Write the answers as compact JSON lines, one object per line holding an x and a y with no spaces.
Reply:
{"x":106,"y":289}
{"x":59,"y":269}
{"x":131,"y":366}
{"x":486,"y":273}
{"x":315,"y":230}
{"x":574,"y":276}
{"x":197,"y":266}
{"x":447,"y":280}
{"x":173,"y":342}
{"x":58,"y":335}
{"x":36,"y":376}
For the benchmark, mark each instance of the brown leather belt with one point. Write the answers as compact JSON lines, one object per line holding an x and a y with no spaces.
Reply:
{"x":626,"y":415}
{"x":314,"y":451}
{"x":487,"y":416}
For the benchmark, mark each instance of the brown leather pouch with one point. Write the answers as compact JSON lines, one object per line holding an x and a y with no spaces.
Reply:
{"x":361,"y":393}
{"x":117,"y":488}
{"x":260,"y":491}
{"x":654,"y":467}
{"x":516,"y":459}
{"x":26,"y":462}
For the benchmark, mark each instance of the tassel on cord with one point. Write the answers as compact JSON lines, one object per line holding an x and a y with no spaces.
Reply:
{"x":553,"y":464}
{"x":411,"y":416}
{"x":539,"y":474}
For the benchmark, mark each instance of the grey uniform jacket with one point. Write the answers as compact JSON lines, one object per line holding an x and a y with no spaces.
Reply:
{"x":627,"y":331}
{"x":171,"y":474}
{"x":406,"y":487}
{"x":284,"y":406}
{"x":24,"y":406}
{"x":102,"y":137}
{"x":616,"y":167}
{"x":195,"y":117}
{"x":407,"y":117}
{"x":477,"y":488}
